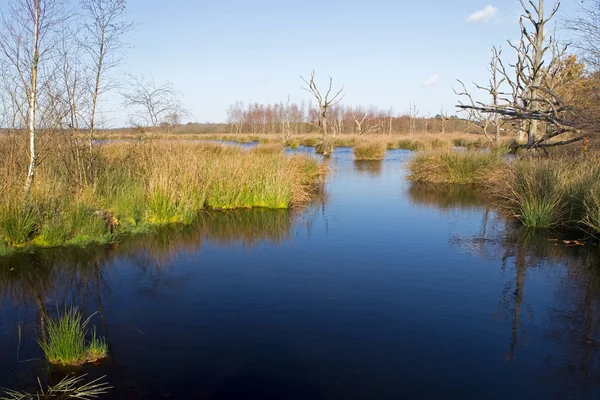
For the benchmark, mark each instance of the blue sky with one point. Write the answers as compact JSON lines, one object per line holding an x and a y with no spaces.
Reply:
{"x":385,"y":53}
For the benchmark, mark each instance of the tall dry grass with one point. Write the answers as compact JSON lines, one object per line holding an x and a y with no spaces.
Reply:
{"x":542,"y":191}
{"x":138,"y":184}
{"x":455,"y":167}
{"x":374,"y":150}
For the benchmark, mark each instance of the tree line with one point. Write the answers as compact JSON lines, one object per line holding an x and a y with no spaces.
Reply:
{"x":287,"y":118}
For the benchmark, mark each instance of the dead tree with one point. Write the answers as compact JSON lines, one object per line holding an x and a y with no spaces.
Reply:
{"x":324,"y":102}
{"x":473,"y":114}
{"x":530,"y":103}
{"x":493,"y":89}
{"x":360,"y":127}
{"x":585,"y":27}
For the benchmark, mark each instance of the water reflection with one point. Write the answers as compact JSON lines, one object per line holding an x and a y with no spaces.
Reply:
{"x":446,"y":196}
{"x":57,"y":275}
{"x":573,"y":321}
{"x":372,"y":168}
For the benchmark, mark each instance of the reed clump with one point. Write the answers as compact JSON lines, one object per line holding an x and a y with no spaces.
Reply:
{"x":535,"y":191}
{"x":370,"y":150}
{"x":553,"y":191}
{"x":65,"y":341}
{"x":136,"y":185}
{"x":455,"y":167}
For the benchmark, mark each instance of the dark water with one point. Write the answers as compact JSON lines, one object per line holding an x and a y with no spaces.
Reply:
{"x":379,"y":290}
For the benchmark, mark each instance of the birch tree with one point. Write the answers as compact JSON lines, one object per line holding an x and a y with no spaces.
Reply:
{"x":104,"y":28}
{"x":27,"y":38}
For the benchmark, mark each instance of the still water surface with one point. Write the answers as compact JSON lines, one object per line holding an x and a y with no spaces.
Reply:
{"x":379,"y":290}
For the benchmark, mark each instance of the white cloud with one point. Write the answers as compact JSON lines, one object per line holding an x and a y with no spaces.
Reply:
{"x":484,"y":15}
{"x":432,"y":80}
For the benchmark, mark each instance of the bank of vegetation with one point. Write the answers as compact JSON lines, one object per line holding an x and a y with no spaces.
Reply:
{"x":136,"y":185}
{"x":557,"y":190}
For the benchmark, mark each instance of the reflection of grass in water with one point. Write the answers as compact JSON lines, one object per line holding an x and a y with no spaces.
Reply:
{"x":71,"y":387}
{"x":369,"y":167}
{"x":446,"y":196}
{"x":247,"y":226}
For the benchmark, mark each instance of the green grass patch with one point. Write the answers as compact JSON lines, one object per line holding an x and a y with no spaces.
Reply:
{"x":65,"y":341}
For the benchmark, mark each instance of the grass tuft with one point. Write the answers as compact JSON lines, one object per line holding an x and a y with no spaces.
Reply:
{"x":70,"y":387}
{"x":370,"y":150}
{"x":455,"y":167}
{"x":65,"y":342}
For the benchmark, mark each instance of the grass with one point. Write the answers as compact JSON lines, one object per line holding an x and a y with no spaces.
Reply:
{"x":137,"y":185}
{"x":455,"y":167}
{"x":535,"y":191}
{"x":559,"y":190}
{"x":19,"y":222}
{"x":65,"y":342}
{"x":370,"y":150}
{"x":70,"y":387}
{"x":324,"y":147}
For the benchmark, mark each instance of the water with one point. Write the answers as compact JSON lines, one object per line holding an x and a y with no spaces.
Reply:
{"x":378,"y":290}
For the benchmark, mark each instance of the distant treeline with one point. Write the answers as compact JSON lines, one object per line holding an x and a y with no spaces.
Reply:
{"x":255,"y":118}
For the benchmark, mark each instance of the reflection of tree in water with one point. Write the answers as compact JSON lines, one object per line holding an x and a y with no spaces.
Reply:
{"x":575,"y":310}
{"x":369,"y":167}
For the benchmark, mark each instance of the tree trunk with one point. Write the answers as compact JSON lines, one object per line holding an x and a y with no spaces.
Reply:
{"x":33,"y":98}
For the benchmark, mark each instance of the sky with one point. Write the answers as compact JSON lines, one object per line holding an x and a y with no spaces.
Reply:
{"x":386,"y":53}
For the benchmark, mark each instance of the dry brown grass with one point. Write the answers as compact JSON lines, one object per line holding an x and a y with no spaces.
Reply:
{"x":136,"y":184}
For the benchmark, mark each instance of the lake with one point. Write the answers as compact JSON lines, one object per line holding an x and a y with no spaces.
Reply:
{"x":380,"y":289}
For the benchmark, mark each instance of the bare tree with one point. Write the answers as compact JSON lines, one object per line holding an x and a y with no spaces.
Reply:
{"x":104,"y":29}
{"x":530,"y":102}
{"x":413,"y":114}
{"x":26,"y":41}
{"x":585,"y":27}
{"x":360,"y":122}
{"x":324,"y":102}
{"x":235,"y":116}
{"x":150,"y":104}
{"x":493,"y":90}
{"x":474,"y":115}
